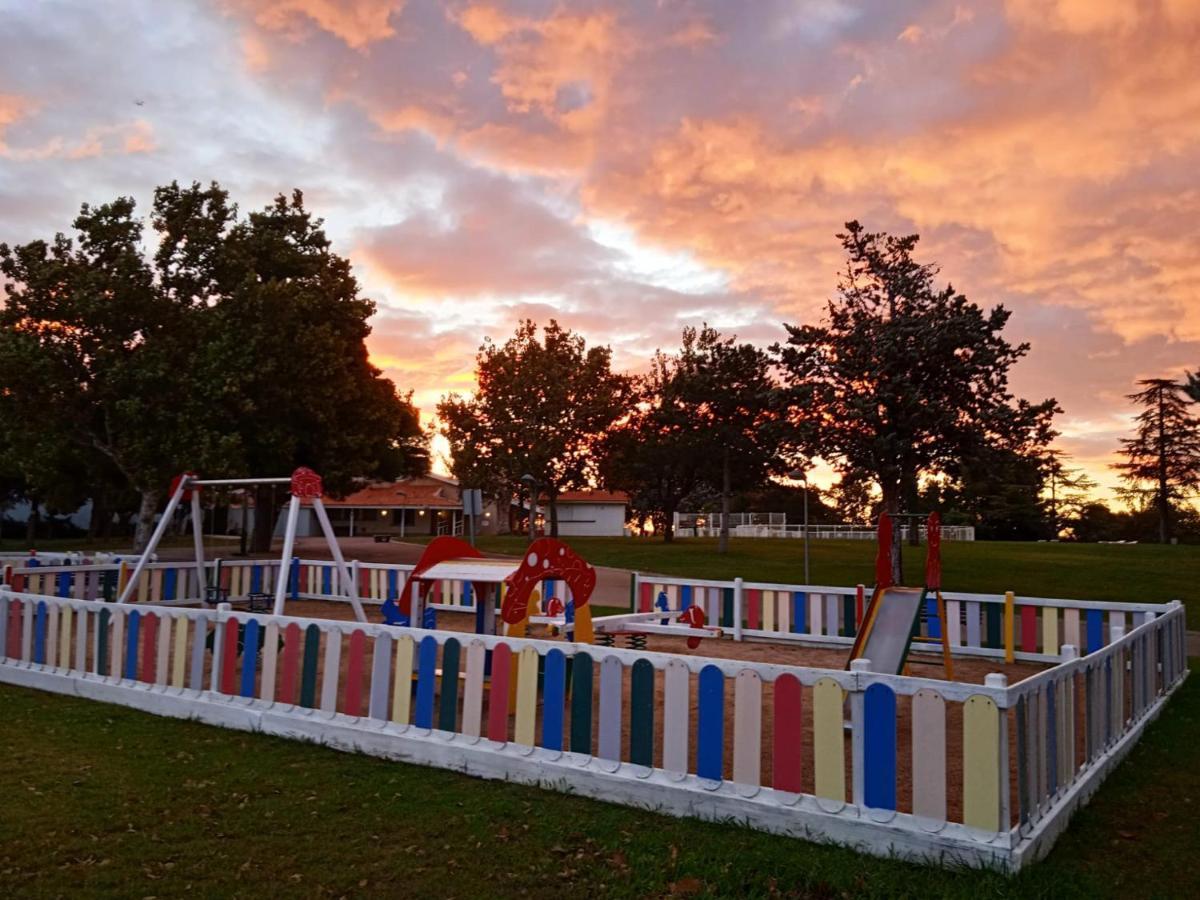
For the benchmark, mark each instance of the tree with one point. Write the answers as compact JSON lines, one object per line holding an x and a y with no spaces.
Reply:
{"x":238,"y":351}
{"x":658,"y":452}
{"x":737,"y":404}
{"x":95,"y":357}
{"x":903,"y":379}
{"x":538,"y":410}
{"x":1162,"y":459}
{"x":288,"y":336}
{"x":1070,"y":490}
{"x":998,"y":491}
{"x":1192,"y":385}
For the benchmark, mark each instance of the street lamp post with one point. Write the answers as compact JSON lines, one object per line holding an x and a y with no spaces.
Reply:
{"x":803,"y":477}
{"x":533,"y":505}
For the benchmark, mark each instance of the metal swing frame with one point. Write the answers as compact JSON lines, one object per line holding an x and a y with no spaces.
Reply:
{"x":190,"y":482}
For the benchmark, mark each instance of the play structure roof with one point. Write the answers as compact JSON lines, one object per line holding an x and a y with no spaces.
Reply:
{"x":491,"y":571}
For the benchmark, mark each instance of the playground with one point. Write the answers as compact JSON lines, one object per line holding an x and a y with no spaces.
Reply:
{"x":914,"y":721}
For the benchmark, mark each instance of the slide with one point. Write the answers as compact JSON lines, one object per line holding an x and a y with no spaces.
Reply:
{"x":892,"y":617}
{"x":888,"y":627}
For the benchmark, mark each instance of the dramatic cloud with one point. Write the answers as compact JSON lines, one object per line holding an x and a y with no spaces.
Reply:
{"x":631,"y":168}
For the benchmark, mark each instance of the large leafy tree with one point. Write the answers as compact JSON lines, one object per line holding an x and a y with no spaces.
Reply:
{"x":904,"y":378}
{"x":539,"y":408}
{"x":1162,"y":459}
{"x":660,"y":452}
{"x":288,"y":333}
{"x":96,"y":359}
{"x":239,"y":350}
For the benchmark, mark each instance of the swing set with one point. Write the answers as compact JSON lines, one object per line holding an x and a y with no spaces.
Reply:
{"x":305,"y":486}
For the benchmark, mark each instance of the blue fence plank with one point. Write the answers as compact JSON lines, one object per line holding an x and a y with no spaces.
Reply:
{"x":933,"y":625}
{"x":879,"y":747}
{"x":710,"y":724}
{"x":1095,"y":630}
{"x":170,"y":580}
{"x":553,"y":700}
{"x":685,"y":596}
{"x":256,"y":579}
{"x":132,"y":626}
{"x":250,"y":643}
{"x":426,"y":664}
{"x":799,"y":612}
{"x":39,"y":633}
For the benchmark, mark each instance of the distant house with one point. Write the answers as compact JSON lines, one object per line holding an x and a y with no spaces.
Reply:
{"x":431,"y":505}
{"x":422,"y":505}
{"x":591,"y":513}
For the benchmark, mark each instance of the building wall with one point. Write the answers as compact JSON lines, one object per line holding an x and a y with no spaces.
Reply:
{"x":591,"y":519}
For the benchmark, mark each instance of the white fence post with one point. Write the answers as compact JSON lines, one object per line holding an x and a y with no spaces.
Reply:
{"x":857,"y":734}
{"x":1000,"y":681}
{"x":737,"y":609}
{"x":222,"y":620}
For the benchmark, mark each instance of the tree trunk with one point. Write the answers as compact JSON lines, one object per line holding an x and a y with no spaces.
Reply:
{"x":145,"y":519}
{"x":553,"y":514}
{"x":891,"y":505}
{"x":265,"y":510}
{"x":96,"y":517}
{"x":31,"y":524}
{"x":1164,"y":500}
{"x":668,"y":522}
{"x":723,"y":543}
{"x":911,"y":499}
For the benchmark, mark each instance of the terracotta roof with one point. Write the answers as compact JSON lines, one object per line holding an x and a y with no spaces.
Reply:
{"x":403,"y":493}
{"x":594,"y":497}
{"x":443,"y":493}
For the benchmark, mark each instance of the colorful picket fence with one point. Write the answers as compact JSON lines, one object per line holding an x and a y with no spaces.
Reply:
{"x":766,"y":744}
{"x":1001,"y":626}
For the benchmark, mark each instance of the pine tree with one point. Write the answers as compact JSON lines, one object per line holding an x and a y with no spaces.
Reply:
{"x":1162,"y":459}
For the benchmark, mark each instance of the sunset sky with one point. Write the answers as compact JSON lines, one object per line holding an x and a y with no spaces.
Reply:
{"x":631,"y":168}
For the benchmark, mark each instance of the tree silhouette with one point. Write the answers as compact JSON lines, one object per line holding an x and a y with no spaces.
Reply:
{"x":1162,"y":459}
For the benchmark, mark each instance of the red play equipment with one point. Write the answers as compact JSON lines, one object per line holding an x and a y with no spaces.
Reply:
{"x":454,"y":559}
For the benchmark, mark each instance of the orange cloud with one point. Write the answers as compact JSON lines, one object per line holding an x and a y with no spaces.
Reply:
{"x":101,"y":140}
{"x":13,"y":108}
{"x":356,"y":22}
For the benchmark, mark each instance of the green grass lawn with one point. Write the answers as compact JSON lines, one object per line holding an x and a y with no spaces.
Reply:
{"x":1139,"y":572}
{"x":101,"y":800}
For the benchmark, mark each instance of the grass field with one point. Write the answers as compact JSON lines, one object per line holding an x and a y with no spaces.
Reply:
{"x":1138,"y":572}
{"x":100,"y":800}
